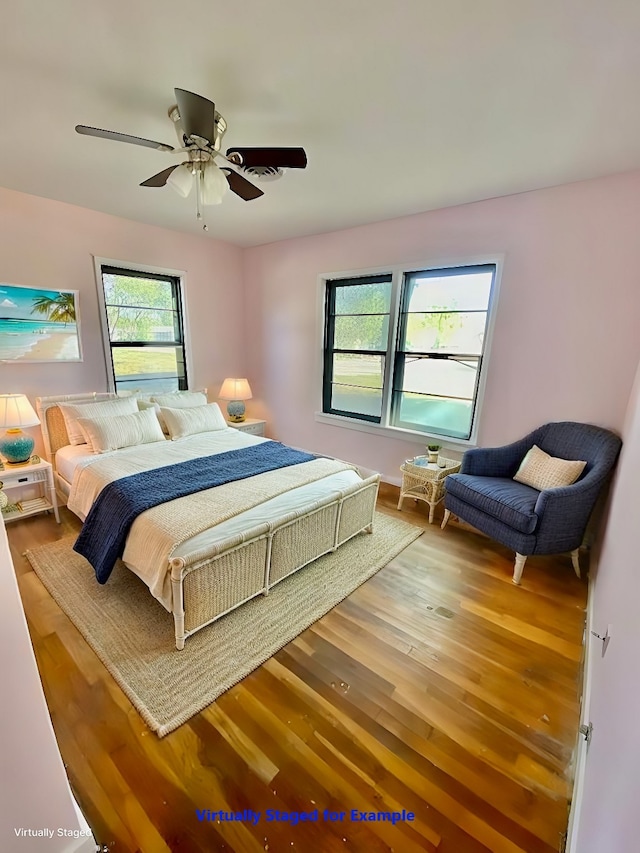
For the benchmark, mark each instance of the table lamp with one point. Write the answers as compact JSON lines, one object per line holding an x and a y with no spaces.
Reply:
{"x":16,"y":412}
{"x":236,"y":391}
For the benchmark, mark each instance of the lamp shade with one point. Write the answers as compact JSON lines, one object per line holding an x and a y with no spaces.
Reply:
{"x":235,"y":389}
{"x":16,"y":412}
{"x":214,"y":184}
{"x":181,"y":180}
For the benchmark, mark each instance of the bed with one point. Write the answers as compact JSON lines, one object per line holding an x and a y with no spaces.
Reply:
{"x":220,"y":561}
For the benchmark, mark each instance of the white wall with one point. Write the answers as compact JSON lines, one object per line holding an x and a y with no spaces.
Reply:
{"x":35,"y":790}
{"x":49,"y":244}
{"x":566,"y":345}
{"x":609,"y":819}
{"x":566,"y":338}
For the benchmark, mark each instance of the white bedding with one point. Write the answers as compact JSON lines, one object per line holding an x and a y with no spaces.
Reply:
{"x":70,"y":461}
{"x":269,"y":510}
{"x":69,"y":457}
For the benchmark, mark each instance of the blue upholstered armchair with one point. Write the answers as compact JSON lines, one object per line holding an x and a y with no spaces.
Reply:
{"x":552,"y":521}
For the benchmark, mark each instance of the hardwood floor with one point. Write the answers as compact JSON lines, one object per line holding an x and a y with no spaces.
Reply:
{"x":438,"y":687}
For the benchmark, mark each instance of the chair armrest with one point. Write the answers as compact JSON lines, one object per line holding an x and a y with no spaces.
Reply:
{"x":496,"y":461}
{"x":564,"y":512}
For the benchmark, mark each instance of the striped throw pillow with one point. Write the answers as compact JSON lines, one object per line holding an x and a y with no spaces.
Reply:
{"x":104,"y":434}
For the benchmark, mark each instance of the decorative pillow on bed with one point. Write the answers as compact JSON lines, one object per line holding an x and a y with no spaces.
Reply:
{"x":194,"y":420}
{"x":180,"y":399}
{"x":177,"y":400}
{"x":542,"y":471}
{"x":105,"y":409}
{"x":146,"y":404}
{"x":114,"y":433}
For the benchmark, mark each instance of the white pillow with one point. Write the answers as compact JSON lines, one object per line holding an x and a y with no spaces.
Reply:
{"x":103,"y":434}
{"x":177,"y":400}
{"x":194,"y":420}
{"x":180,"y":399}
{"x":542,"y":471}
{"x":146,"y":404}
{"x":104,"y":409}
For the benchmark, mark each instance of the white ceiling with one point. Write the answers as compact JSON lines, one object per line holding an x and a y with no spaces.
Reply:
{"x":401,"y":106}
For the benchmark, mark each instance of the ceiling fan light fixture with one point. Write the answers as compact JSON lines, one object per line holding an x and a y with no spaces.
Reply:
{"x":200,"y":128}
{"x":214,"y":184}
{"x":181,"y":180}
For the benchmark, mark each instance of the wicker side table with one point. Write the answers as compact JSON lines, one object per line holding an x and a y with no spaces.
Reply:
{"x":424,"y":481}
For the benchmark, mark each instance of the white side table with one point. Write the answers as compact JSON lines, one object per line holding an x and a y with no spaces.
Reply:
{"x":18,"y":476}
{"x":424,"y":481}
{"x":253,"y":426}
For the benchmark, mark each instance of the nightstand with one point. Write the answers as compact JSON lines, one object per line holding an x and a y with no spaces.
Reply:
{"x":253,"y":426}
{"x":38,"y":474}
{"x":425,"y":481}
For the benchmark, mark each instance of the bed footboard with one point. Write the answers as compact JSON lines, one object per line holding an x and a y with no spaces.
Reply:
{"x":208,"y":584}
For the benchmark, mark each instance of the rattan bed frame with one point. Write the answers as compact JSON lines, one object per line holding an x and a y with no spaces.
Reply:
{"x":209,"y":583}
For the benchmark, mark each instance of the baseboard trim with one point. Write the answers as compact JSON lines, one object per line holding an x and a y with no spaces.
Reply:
{"x":582,"y":747}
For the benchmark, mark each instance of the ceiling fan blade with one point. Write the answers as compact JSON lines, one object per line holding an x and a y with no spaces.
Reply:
{"x":197,"y":115}
{"x":160,"y":179}
{"x":122,"y":137}
{"x":283,"y":158}
{"x":241,"y":186}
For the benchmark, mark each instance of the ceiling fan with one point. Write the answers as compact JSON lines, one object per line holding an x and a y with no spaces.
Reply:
{"x":200,"y":129}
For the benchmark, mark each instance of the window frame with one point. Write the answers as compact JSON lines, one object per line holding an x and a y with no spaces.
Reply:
{"x":124,"y":267}
{"x":398,"y":273}
{"x":331,"y":287}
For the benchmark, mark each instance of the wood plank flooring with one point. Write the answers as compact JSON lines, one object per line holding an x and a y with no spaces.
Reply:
{"x":437,"y":687}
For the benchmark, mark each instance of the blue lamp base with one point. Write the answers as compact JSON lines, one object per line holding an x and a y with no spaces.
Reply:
{"x":16,"y":446}
{"x":236,"y":411}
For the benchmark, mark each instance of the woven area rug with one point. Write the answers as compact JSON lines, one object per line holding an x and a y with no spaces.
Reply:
{"x":133,"y":634}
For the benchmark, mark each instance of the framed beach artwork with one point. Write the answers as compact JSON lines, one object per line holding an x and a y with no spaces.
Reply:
{"x":38,"y":325}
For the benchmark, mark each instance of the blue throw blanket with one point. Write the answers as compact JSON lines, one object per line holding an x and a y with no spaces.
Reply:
{"x":102,"y":538}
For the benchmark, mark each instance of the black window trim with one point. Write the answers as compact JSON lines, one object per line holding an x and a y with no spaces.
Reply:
{"x":400,"y":356}
{"x":399,"y":272}
{"x":329,"y":333}
{"x":177,"y":279}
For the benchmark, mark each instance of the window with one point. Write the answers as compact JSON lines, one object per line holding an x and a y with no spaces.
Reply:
{"x":357,"y":339}
{"x":405,"y":350}
{"x":144,"y":329}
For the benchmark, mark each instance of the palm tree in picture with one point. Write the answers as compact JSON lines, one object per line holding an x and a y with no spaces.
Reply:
{"x":57,"y":309}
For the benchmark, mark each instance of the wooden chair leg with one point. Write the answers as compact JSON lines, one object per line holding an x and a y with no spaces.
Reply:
{"x":447,"y":516}
{"x":519,"y":566}
{"x":575,"y":559}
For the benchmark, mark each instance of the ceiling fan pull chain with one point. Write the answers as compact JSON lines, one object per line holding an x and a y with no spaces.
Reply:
{"x":200,"y":197}
{"x":198,"y":193}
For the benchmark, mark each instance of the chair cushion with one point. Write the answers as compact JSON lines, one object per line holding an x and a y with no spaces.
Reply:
{"x":542,"y":471}
{"x":502,"y":498}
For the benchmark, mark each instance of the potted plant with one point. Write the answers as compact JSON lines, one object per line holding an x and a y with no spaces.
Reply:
{"x":432,"y":452}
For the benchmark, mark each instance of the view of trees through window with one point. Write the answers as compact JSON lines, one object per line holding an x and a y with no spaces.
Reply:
{"x":144,"y":319}
{"x":358,"y":317}
{"x":438,"y":330}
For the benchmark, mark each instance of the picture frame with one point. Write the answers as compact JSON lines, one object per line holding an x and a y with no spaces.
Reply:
{"x":38,"y":325}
